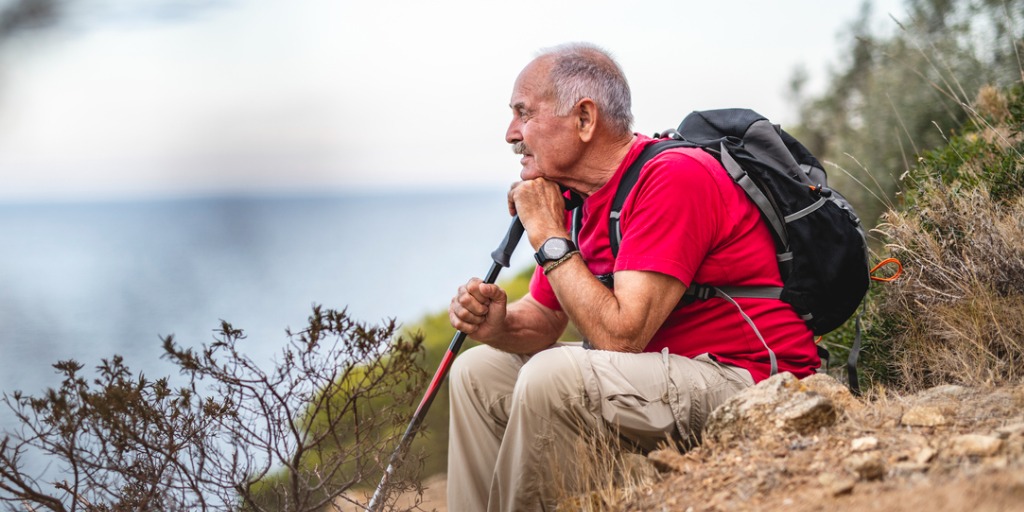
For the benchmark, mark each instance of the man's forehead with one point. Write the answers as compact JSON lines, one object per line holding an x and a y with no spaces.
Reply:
{"x":532,"y":85}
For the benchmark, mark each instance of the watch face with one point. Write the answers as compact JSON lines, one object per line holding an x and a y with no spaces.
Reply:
{"x":556,"y":248}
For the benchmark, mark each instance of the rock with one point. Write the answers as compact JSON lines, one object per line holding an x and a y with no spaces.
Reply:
{"x":778,"y":404}
{"x":975,"y":445}
{"x":916,"y":440}
{"x":997,"y":463}
{"x":944,"y":391}
{"x":924,"y":416}
{"x":805,"y":413}
{"x":908,"y":468}
{"x":837,"y":485}
{"x":829,"y":387}
{"x":1014,"y":429}
{"x":868,"y":466}
{"x":925,"y":455}
{"x":864,"y":444}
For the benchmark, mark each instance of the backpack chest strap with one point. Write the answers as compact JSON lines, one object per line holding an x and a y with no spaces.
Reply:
{"x":704,"y":292}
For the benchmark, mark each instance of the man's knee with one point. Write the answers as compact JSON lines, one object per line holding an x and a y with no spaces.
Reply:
{"x":485,"y":372}
{"x":550,"y":376}
{"x":465,"y":364}
{"x":479,"y":361}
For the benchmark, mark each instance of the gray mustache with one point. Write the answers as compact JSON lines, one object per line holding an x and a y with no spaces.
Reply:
{"x":519,"y":148}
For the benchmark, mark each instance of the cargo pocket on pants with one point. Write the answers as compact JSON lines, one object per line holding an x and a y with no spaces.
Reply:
{"x":634,"y":404}
{"x":698,"y":386}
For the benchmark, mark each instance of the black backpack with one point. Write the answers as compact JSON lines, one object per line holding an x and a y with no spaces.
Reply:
{"x":819,"y":240}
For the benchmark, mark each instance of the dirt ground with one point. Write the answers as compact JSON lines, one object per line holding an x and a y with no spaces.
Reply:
{"x":432,"y":499}
{"x":945,"y":449}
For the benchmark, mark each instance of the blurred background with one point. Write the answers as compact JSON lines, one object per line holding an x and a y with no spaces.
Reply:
{"x":134,"y":99}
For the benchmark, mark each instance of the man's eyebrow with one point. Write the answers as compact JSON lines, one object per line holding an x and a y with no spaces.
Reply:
{"x":517,"y":106}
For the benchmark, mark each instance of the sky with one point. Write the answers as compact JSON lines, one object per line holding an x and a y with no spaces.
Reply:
{"x":155,"y":98}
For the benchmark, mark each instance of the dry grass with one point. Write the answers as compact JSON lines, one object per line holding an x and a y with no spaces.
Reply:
{"x":602,"y":475}
{"x":956,"y":314}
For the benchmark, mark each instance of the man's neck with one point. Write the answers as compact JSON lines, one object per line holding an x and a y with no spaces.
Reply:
{"x":601,"y":165}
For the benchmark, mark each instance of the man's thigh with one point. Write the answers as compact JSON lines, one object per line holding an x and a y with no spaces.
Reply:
{"x":655,"y":397}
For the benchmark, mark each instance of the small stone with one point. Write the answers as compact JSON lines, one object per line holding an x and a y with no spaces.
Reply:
{"x":829,"y":387}
{"x":1000,"y":462}
{"x":923,"y":416}
{"x":1010,"y":430}
{"x":945,"y":391}
{"x":805,"y":413}
{"x":925,"y":455}
{"x":915,"y":439}
{"x":837,"y":485}
{"x":864,"y":444}
{"x":975,"y":445}
{"x":868,"y":466}
{"x":909,"y":468}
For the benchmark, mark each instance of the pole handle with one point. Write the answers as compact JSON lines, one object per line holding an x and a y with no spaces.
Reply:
{"x":503,"y":254}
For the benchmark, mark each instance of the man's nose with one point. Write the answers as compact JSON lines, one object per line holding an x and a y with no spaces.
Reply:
{"x":513,"y":135}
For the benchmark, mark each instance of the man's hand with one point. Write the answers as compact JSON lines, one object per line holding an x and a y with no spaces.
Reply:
{"x":479,"y":310}
{"x":541,"y":206}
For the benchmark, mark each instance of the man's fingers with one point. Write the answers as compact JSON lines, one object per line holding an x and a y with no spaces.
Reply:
{"x":474,"y":297}
{"x":476,"y":306}
{"x":470,"y":308}
{"x":473,"y":301}
{"x":511,"y":199}
{"x":457,"y":321}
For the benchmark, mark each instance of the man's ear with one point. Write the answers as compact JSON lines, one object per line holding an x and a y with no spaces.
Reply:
{"x":586,"y":119}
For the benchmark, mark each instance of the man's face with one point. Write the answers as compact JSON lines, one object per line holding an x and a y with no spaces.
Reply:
{"x":547,"y":142}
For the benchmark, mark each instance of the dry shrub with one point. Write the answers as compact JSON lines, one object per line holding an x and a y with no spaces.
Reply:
{"x":991,"y":103}
{"x":956,"y":314}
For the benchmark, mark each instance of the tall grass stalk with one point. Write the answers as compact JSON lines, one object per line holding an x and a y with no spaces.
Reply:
{"x":602,"y":475}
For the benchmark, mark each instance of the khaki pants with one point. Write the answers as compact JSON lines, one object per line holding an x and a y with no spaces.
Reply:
{"x":512,"y":416}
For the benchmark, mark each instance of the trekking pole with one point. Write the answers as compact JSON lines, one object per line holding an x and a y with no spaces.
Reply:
{"x":502,"y":257}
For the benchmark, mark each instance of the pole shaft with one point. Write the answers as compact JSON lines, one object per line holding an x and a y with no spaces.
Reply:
{"x":501,"y":257}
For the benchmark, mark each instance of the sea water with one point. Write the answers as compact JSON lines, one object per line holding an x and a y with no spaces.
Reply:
{"x":88,"y":280}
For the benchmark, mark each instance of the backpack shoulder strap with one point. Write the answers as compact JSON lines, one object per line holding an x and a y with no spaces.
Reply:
{"x":629,"y":179}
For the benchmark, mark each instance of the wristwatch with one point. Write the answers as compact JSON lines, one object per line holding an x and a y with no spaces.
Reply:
{"x":554,"y":249}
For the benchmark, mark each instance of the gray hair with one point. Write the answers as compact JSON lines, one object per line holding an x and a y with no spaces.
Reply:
{"x":584,"y":70}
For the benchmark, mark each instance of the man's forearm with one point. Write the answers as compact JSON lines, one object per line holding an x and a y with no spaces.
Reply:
{"x":592,"y":307}
{"x":623,"y":320}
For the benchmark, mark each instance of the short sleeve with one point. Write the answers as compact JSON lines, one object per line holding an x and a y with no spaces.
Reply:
{"x":541,"y":291}
{"x":671,"y":220}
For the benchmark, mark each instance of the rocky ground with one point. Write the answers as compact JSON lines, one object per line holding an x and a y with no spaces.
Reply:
{"x":810,"y":446}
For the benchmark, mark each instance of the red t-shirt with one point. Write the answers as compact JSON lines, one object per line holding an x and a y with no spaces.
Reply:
{"x":687,"y":218}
